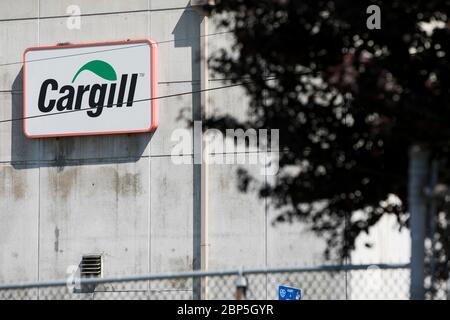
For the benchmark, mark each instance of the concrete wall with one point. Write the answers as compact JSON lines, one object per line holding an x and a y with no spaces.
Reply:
{"x":122,"y":195}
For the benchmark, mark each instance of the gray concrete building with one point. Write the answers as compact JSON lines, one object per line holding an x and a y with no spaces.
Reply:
{"x":123,"y":196}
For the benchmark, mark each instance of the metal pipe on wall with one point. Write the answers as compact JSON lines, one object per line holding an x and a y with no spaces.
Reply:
{"x":204,"y":84}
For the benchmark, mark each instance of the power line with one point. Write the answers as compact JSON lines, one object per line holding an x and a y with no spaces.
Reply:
{"x":134,"y":101}
{"x":18,"y":91}
{"x":189,"y":8}
{"x":72,"y":55}
{"x":112,"y":49}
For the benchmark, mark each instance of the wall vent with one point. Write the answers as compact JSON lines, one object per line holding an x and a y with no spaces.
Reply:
{"x":91,"y":266}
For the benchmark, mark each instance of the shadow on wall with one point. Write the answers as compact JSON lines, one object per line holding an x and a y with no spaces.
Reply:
{"x":187,"y":34}
{"x":68,"y":151}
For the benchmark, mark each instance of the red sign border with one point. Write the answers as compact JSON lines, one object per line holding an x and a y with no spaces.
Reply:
{"x":153,"y":87}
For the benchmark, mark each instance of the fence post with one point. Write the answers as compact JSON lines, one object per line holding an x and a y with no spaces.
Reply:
{"x":432,"y":218}
{"x":241,"y":286}
{"x":418,"y":174}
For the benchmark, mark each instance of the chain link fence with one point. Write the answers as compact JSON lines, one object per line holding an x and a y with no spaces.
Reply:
{"x":317,"y":283}
{"x":438,"y":289}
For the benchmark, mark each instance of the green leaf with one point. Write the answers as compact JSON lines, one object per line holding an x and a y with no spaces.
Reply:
{"x":100,"y":68}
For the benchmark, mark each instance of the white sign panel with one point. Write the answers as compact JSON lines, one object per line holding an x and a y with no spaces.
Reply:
{"x":90,"y":89}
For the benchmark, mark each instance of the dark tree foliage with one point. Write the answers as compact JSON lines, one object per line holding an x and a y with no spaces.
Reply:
{"x":349,"y":102}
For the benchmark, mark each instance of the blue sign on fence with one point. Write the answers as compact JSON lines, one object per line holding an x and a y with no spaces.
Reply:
{"x":288,"y":293}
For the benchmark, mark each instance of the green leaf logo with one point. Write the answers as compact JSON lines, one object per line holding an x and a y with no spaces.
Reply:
{"x":100,"y":68}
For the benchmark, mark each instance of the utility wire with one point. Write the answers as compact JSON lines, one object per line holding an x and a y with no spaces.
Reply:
{"x":97,"y":14}
{"x":134,"y":101}
{"x":162,"y":82}
{"x":112,"y":49}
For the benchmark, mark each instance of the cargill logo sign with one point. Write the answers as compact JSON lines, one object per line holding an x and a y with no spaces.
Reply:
{"x":90,"y":89}
{"x":98,"y":95}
